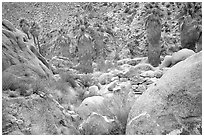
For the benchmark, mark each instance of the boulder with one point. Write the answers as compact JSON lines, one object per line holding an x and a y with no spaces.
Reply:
{"x":33,"y":116}
{"x":157,"y":73}
{"x":141,"y":88}
{"x":92,"y":91}
{"x":123,"y":79}
{"x":115,"y":78}
{"x":61,"y":62}
{"x":181,"y":55}
{"x":136,"y":70}
{"x":148,"y":73}
{"x":91,"y":104}
{"x":176,"y":57}
{"x":116,"y":72}
{"x":123,"y":61}
{"x":167,"y":62}
{"x":105,"y":78}
{"x":125,"y":68}
{"x":136,"y":61}
{"x":174,"y":103}
{"x":97,"y":124}
{"x":112,"y":85}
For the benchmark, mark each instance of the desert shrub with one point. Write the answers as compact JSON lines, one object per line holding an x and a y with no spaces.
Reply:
{"x":40,"y":85}
{"x":118,"y":107}
{"x":87,"y":80}
{"x":12,"y":82}
{"x":7,"y":81}
{"x":67,"y":77}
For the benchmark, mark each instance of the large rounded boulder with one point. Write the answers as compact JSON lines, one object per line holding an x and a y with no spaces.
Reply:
{"x":173,"y":105}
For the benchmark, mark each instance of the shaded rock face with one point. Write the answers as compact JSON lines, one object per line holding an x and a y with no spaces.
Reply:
{"x":33,"y":115}
{"x":17,"y":49}
{"x":173,"y":105}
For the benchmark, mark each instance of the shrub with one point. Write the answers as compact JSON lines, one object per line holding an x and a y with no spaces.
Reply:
{"x":67,"y":77}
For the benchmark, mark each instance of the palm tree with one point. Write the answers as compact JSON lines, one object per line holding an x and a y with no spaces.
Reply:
{"x":24,"y":25}
{"x":35,"y":30}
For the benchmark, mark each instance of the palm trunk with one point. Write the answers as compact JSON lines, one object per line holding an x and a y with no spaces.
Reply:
{"x":38,"y":44}
{"x":153,"y":30}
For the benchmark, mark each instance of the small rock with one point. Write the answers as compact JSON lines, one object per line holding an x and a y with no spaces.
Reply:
{"x":56,"y":77}
{"x":112,"y":85}
{"x":148,"y":73}
{"x":148,"y":81}
{"x":116,"y":72}
{"x":115,"y":78}
{"x":117,"y":89}
{"x":136,"y":80}
{"x":93,"y":89}
{"x":154,"y":80}
{"x":167,"y":62}
{"x":105,"y":78}
{"x":123,"y":79}
{"x":125,"y":67}
{"x":158,"y":73}
{"x":87,"y":94}
{"x":136,"y":61}
{"x":125,"y":85}
{"x":134,"y":87}
{"x":123,"y":61}
{"x":14,"y":94}
{"x":141,"y":88}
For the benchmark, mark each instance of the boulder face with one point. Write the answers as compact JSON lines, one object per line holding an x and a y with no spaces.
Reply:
{"x":17,"y":49}
{"x":97,"y":124}
{"x":33,"y":116}
{"x":173,"y":105}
